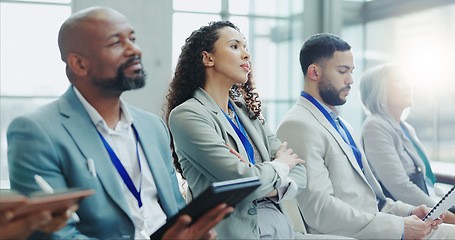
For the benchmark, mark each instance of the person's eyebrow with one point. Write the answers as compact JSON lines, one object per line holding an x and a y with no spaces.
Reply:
{"x":234,"y":40}
{"x":238,"y":42}
{"x":117,"y":35}
{"x":346,"y":66}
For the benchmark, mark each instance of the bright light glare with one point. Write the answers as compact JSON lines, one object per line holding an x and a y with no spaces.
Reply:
{"x":30,"y":59}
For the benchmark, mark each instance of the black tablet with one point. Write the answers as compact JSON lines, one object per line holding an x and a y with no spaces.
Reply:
{"x":230,"y":192}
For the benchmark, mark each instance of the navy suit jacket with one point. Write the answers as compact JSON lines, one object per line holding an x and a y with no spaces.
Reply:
{"x":55,"y":142}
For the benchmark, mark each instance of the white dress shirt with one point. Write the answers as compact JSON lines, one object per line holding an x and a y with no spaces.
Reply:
{"x":122,"y":140}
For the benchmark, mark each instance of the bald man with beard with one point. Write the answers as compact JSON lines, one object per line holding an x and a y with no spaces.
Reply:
{"x":90,"y":138}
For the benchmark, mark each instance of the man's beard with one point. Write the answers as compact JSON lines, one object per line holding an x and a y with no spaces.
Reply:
{"x":329,"y":93}
{"x":120,"y":82}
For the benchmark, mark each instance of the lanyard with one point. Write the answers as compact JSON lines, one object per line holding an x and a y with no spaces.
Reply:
{"x":351,"y":142}
{"x":428,"y":171}
{"x":122,"y":171}
{"x":241,"y":134}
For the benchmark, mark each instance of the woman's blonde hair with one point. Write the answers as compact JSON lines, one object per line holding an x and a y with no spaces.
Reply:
{"x":373,"y":87}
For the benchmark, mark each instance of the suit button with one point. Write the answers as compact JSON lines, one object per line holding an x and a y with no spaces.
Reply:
{"x":252,"y":211}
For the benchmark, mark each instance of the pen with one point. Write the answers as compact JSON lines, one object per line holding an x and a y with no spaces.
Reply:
{"x":48,"y":189}
{"x":91,"y":167}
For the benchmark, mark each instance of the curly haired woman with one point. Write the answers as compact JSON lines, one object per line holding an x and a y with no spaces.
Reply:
{"x":213,"y":112}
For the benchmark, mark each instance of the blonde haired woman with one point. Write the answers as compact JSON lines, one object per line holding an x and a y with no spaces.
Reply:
{"x":397,"y":157}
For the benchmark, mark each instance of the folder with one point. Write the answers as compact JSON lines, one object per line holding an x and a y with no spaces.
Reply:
{"x":443,"y":205}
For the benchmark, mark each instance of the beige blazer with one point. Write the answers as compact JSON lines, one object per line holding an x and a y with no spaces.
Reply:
{"x":201,"y":131}
{"x":339,"y":199}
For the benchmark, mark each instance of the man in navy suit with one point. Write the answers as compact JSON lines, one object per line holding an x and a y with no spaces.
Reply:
{"x":90,"y":138}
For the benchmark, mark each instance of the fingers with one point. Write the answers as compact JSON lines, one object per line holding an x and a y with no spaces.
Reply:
{"x":179,"y":229}
{"x":210,"y":235}
{"x":301,"y":161}
{"x":420,"y":211}
{"x":213,"y":234}
{"x":443,"y":216}
{"x":428,"y":226}
{"x":59,"y":220}
{"x":37,"y":220}
{"x":436,"y":223}
{"x":296,"y":158}
{"x":212,"y":218}
{"x":74,"y":207}
{"x":181,"y":223}
{"x":281,"y":149}
{"x":6,"y":217}
{"x":415,"y":228}
{"x":22,"y":228}
{"x":434,"y":226}
{"x":202,"y":228}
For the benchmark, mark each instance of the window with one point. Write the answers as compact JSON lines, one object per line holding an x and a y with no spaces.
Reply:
{"x":32,"y":73}
{"x":423,"y":43}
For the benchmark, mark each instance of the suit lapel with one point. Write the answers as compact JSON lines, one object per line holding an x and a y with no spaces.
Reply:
{"x":346,"y":148}
{"x":155,"y":158}
{"x":81,"y":129}
{"x":227,"y":127}
{"x":348,"y":151}
{"x":407,"y":144}
{"x":205,"y":99}
{"x":252,"y":131}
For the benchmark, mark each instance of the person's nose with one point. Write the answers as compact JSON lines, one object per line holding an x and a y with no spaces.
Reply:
{"x":245,"y":54}
{"x":132,"y":49}
{"x":350,"y":79}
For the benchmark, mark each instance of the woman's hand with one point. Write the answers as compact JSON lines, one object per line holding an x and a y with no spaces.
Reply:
{"x":287,"y":156}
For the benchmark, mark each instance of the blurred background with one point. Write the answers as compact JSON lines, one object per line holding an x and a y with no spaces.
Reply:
{"x":418,"y":34}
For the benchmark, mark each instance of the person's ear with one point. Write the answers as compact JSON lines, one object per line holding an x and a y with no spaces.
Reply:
{"x":78,"y":64}
{"x":207,"y":59}
{"x":314,"y":72}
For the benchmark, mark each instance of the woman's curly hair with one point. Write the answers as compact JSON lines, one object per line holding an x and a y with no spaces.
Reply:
{"x":190,"y":75}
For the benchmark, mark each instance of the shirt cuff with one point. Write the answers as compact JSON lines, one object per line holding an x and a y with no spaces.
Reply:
{"x":291,"y":190}
{"x":280,"y":193}
{"x":286,"y":193}
{"x":409,"y":214}
{"x":282,"y":169}
{"x":402,"y":235}
{"x":410,"y":211}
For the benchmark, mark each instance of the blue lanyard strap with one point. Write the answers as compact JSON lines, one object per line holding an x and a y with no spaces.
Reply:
{"x":358,"y":155}
{"x":355,"y":150}
{"x":121,"y":169}
{"x":241,"y":134}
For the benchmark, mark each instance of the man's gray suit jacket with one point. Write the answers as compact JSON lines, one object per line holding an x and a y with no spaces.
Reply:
{"x":55,"y":142}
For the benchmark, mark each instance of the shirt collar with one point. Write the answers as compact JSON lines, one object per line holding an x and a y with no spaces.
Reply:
{"x":125,"y":117}
{"x":333,"y":114}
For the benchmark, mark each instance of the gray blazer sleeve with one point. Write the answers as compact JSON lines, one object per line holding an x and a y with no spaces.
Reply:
{"x":298,"y":173}
{"x":199,"y":143}
{"x":31,"y":151}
